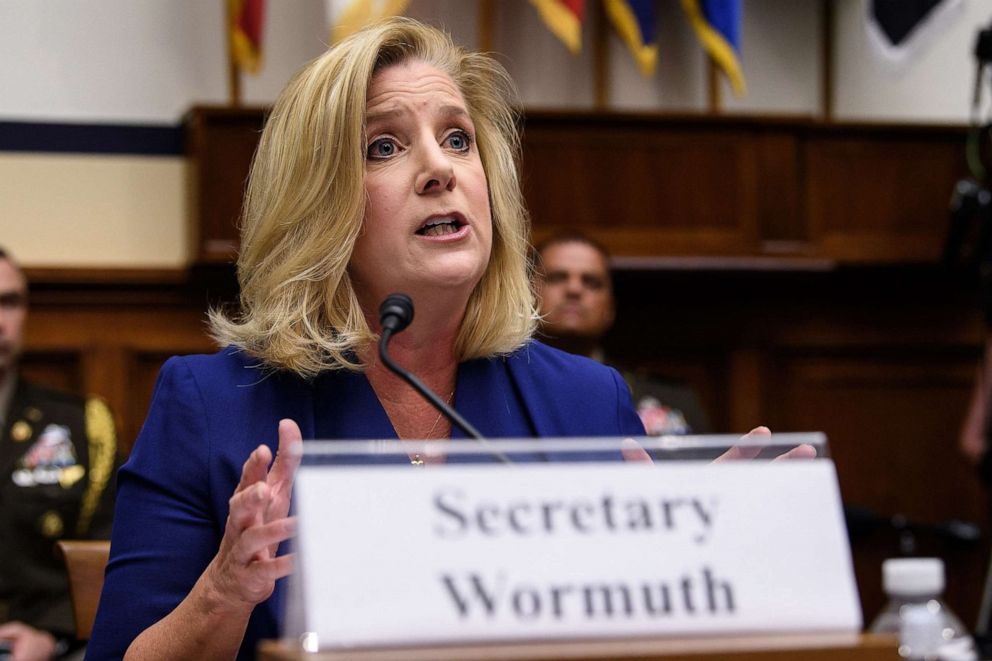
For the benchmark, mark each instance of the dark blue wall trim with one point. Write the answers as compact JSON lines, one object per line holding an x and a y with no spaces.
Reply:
{"x":91,"y":138}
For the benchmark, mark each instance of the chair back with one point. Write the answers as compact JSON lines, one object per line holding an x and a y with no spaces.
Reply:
{"x":85,"y":561}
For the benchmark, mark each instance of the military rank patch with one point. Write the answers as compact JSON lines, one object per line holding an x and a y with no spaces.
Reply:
{"x":48,"y":459}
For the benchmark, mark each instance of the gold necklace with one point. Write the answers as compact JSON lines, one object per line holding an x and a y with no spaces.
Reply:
{"x":416,"y":459}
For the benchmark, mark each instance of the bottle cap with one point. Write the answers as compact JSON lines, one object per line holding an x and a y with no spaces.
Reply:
{"x":913,"y":576}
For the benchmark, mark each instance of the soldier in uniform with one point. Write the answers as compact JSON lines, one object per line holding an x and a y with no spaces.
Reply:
{"x":575,"y":298}
{"x":58,"y":454}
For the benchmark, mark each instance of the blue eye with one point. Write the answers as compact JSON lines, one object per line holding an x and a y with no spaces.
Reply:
{"x":381,"y":148}
{"x":459,"y":141}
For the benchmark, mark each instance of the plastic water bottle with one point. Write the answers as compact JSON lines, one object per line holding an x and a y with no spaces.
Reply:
{"x":926,"y":627}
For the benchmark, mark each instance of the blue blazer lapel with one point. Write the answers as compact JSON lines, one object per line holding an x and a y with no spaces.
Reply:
{"x":568,"y":395}
{"x":488,"y":398}
{"x":344,"y":406}
{"x":536,"y":393}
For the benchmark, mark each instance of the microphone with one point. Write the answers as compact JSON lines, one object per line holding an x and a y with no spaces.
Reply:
{"x":395,"y":314}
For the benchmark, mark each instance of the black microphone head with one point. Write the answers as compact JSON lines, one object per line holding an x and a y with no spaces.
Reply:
{"x":396,"y":312}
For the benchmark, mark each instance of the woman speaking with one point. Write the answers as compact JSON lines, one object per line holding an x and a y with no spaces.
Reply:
{"x":388,"y":164}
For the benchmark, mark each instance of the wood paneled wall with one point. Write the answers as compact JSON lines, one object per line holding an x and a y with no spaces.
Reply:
{"x":879,"y":358}
{"x":653,"y":186}
{"x":882,"y":359}
{"x":108,"y":332}
{"x":662,"y":186}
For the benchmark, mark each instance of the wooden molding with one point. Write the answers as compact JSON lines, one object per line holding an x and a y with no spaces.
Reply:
{"x":655,"y":185}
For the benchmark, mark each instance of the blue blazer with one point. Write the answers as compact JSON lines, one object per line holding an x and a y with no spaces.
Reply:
{"x":209,"y":412}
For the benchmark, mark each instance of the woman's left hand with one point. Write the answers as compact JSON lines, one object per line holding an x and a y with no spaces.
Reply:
{"x":750,"y":449}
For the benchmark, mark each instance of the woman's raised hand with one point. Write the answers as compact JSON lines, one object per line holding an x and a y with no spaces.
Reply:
{"x":210,"y":622}
{"x":751,"y":448}
{"x":246,"y":566}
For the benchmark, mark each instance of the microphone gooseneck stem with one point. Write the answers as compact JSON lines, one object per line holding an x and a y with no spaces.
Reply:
{"x":426,"y":393}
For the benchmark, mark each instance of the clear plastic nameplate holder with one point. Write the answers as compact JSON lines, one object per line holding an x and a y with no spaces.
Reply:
{"x":407,"y":543}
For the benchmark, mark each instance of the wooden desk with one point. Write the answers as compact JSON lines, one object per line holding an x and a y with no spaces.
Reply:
{"x":810,"y":647}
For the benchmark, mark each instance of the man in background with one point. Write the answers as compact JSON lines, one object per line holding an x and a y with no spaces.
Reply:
{"x":58,"y":454}
{"x":575,"y":298}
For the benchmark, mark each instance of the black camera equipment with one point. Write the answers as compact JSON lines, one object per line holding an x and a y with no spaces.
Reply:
{"x":968,"y":242}
{"x":968,"y":249}
{"x":862,"y":521}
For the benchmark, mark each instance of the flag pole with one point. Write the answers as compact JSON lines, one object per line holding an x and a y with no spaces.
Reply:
{"x":600,"y":57}
{"x":234,"y":83}
{"x":713,"y":78}
{"x":233,"y":73}
{"x":827,"y":60}
{"x":487,"y":15}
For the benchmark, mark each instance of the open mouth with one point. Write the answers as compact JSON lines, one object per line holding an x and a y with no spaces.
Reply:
{"x":441,"y":226}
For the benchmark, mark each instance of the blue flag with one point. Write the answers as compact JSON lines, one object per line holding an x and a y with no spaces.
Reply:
{"x":718,"y":25}
{"x":635,"y":21}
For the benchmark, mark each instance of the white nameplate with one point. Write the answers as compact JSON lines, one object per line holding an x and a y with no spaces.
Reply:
{"x":395,"y":555}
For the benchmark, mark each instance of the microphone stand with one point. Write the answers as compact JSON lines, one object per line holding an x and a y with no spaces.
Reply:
{"x":396,"y":313}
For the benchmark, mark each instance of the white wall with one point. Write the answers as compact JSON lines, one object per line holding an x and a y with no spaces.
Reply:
{"x":781,"y":58}
{"x":94,"y":211}
{"x":679,"y":84}
{"x":934,"y":85}
{"x":138,"y":61}
{"x":148,"y":61}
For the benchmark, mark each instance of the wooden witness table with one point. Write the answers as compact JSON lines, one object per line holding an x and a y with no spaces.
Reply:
{"x":809,"y":647}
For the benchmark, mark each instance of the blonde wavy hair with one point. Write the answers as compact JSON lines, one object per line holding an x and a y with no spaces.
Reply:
{"x":305,"y":204}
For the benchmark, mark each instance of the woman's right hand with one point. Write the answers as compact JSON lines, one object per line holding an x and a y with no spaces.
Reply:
{"x":246,"y":567}
{"x":210,"y":622}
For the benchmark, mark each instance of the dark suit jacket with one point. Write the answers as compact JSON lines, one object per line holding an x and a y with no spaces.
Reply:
{"x":210,"y":412}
